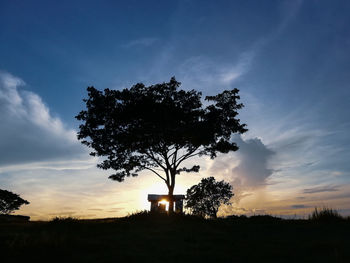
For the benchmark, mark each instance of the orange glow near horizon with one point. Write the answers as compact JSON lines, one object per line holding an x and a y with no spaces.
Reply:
{"x":107,"y":199}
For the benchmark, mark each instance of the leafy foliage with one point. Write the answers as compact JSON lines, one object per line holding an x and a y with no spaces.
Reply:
{"x":206,"y":197}
{"x":10,"y":201}
{"x":156,"y":128}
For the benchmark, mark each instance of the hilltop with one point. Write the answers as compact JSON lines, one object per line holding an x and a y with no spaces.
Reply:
{"x":160,"y":238}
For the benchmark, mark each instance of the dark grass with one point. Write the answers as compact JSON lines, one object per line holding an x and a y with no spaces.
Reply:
{"x":146,"y":237}
{"x":325,"y":215}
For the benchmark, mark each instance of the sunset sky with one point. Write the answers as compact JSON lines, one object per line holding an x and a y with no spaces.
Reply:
{"x":289,"y":59}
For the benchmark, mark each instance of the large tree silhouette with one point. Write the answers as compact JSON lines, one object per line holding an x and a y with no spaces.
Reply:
{"x":157,"y":128}
{"x":10,"y":202}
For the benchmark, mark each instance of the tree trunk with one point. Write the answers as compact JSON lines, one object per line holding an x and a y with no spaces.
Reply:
{"x":214,"y":213}
{"x":171,"y":191}
{"x":171,"y":200}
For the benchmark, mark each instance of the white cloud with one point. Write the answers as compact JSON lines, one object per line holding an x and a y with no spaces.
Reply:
{"x":249,"y":166}
{"x":29,"y":132}
{"x":253,"y":169}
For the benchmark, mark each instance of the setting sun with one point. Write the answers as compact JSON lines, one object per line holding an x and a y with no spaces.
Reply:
{"x":165,"y":202}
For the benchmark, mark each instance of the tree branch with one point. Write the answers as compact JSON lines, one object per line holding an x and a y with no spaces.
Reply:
{"x":161,"y":177}
{"x":151,"y":156}
{"x":174,"y":154}
{"x":186,"y":156}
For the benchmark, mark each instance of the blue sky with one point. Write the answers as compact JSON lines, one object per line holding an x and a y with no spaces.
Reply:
{"x":290,"y":60}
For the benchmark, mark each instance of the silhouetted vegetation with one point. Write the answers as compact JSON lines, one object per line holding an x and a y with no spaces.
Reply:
{"x":10,"y":202}
{"x":154,"y":237}
{"x":205,"y":198}
{"x":325,"y":215}
{"x":13,"y":218}
{"x":145,"y":128}
{"x":64,"y":220}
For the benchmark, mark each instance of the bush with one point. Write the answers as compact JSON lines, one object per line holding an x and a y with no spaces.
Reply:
{"x":205,"y":198}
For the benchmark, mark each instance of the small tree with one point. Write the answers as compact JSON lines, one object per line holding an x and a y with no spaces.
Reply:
{"x":157,"y":128}
{"x":10,"y":201}
{"x":205,"y":198}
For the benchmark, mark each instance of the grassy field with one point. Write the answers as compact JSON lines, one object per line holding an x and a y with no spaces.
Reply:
{"x":160,"y":238}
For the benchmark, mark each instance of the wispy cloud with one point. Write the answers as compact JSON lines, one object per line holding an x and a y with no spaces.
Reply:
{"x":320,"y":189}
{"x":141,"y":42}
{"x":230,"y":74}
{"x":299,"y":206}
{"x":206,"y":74}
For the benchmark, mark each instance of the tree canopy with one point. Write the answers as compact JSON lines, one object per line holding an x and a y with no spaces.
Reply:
{"x":10,"y":201}
{"x":205,"y":198}
{"x":157,"y":128}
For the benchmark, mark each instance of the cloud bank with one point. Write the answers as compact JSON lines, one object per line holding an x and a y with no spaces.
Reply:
{"x":29,"y":132}
{"x":252,"y":170}
{"x":247,"y":169}
{"x":248,"y":166}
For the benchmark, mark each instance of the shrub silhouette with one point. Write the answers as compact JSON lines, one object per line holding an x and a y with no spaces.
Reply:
{"x":205,"y":198}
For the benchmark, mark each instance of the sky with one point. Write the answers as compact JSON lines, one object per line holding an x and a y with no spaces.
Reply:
{"x":290,"y":59}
